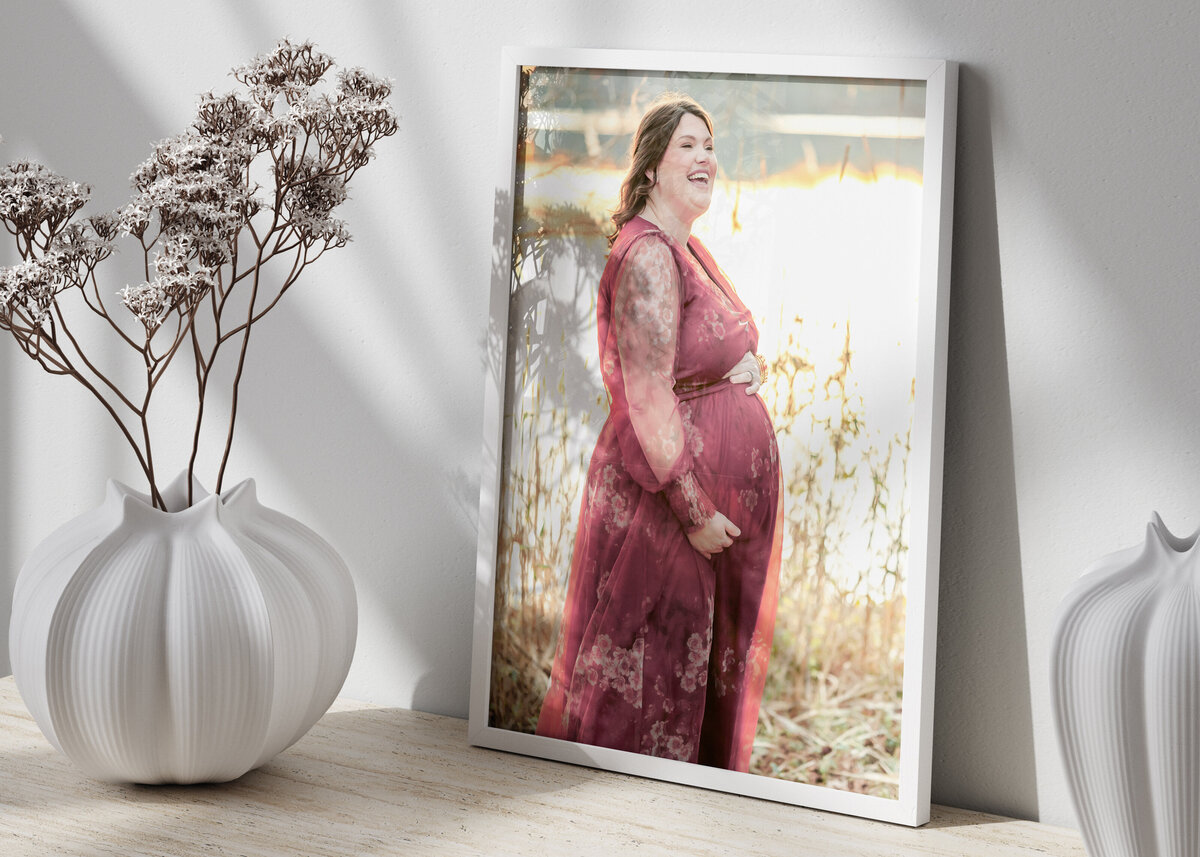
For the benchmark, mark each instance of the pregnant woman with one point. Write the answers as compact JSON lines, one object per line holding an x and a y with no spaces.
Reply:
{"x":670,"y":606}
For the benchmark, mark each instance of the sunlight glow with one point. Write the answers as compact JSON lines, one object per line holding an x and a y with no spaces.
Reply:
{"x":821,"y":251}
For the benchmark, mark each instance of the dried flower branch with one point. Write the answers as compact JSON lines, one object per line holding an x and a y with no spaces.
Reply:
{"x":206,"y":228}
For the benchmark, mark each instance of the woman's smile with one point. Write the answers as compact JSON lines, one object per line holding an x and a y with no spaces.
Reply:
{"x":683,"y":180}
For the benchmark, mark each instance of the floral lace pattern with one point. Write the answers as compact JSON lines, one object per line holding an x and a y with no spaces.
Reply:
{"x":693,"y":672}
{"x":610,"y":667}
{"x":610,"y":502}
{"x":678,"y":746}
{"x":712,"y":330}
{"x":645,"y":318}
{"x":661,"y":649}
{"x":689,"y":503}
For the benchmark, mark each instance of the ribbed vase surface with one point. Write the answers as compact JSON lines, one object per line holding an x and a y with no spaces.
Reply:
{"x":184,"y":646}
{"x":1126,"y":694}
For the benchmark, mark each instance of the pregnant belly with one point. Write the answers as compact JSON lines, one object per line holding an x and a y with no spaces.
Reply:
{"x":738,"y":460}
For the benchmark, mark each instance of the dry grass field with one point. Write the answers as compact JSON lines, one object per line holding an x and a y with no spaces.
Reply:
{"x":831,"y":712}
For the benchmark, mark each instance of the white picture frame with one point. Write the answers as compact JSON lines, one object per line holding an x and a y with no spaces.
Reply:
{"x":926,"y":248}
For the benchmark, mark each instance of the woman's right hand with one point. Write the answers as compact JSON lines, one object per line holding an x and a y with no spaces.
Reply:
{"x":747,"y":371}
{"x":714,"y":536}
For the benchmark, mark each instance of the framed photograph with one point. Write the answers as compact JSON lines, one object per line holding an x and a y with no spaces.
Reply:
{"x":714,"y":410}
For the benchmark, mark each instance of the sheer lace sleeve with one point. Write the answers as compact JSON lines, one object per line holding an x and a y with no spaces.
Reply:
{"x":645,"y":319}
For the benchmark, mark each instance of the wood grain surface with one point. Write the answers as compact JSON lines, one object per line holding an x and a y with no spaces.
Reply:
{"x":383,"y":781}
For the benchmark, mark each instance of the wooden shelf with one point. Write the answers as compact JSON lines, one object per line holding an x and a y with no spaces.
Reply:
{"x":383,"y":781}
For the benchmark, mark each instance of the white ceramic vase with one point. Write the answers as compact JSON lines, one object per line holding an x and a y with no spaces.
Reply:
{"x":183,"y":646}
{"x":1126,"y":693}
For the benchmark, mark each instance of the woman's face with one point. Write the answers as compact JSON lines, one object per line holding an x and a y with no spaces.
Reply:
{"x":687,"y":171}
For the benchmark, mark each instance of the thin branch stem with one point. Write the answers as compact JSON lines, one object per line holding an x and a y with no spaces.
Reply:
{"x":88,"y":363}
{"x":142,"y":459}
{"x":99,"y":309}
{"x":237,"y":378}
{"x":145,"y":423}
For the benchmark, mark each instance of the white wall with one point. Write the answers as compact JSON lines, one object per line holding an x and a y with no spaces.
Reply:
{"x":1073,"y":362}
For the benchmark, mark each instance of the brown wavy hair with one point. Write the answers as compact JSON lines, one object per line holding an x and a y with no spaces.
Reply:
{"x":649,"y":145}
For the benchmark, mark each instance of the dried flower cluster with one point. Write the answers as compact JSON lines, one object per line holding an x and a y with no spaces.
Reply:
{"x":206,"y":228}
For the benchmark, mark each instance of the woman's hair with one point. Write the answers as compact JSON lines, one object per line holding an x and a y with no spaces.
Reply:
{"x":649,"y":145}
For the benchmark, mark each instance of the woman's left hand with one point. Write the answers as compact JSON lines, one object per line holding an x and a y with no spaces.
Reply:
{"x":746,"y":372}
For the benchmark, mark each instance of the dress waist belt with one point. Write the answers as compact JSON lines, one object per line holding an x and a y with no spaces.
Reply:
{"x":685,"y":390}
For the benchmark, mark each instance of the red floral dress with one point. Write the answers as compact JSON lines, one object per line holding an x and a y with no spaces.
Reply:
{"x":662,"y":651}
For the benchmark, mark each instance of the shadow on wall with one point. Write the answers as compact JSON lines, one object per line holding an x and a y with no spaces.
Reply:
{"x":983,"y":720}
{"x":83,"y":101}
{"x":367,"y":464}
{"x":376,"y":483}
{"x":9,"y":563}
{"x":81,"y":118}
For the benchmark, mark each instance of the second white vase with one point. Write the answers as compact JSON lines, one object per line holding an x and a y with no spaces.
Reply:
{"x":1126,"y":693}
